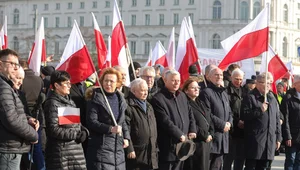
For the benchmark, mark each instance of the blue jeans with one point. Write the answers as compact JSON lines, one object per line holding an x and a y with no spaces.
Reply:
{"x":10,"y":161}
{"x":38,"y":156}
{"x":292,"y":157}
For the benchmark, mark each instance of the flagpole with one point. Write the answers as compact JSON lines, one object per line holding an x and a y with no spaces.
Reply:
{"x":267,"y":52}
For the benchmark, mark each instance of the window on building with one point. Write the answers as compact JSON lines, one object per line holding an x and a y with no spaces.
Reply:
{"x":95,"y":4}
{"x":107,"y":4}
{"x":34,"y":7}
{"x":33,"y":22}
{"x":133,"y":3}
{"x":161,"y":19}
{"x":175,"y":19}
{"x":56,"y":47}
{"x":69,"y":5}
{"x":16,"y":17}
{"x":298,"y":23}
{"x":120,"y":3}
{"x":216,"y":41}
{"x":46,"y":22}
{"x":244,"y":11}
{"x":147,"y":47}
{"x":148,"y":2}
{"x":81,"y":21}
{"x":217,"y":10}
{"x":147,"y":19}
{"x":256,"y":9}
{"x":176,"y":2}
{"x":46,"y":7}
{"x":191,"y":2}
{"x":133,"y":47}
{"x":272,"y":10}
{"x":285,"y":13}
{"x":81,"y":5}
{"x":16,"y":43}
{"x":162,"y":2}
{"x":191,"y":15}
{"x":133,"y":19}
{"x":56,"y":22}
{"x":107,"y":20}
{"x":284,"y":47}
{"x":57,"y":6}
{"x":69,"y":22}
{"x":298,"y":5}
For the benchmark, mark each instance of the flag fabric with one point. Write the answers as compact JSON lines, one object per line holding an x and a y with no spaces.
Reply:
{"x":76,"y":59}
{"x":3,"y":34}
{"x":187,"y":53}
{"x":249,"y":42}
{"x":149,"y":61}
{"x":38,"y":50}
{"x":68,"y":115}
{"x":100,"y":44}
{"x":170,"y":56}
{"x":274,"y":65}
{"x":118,"y":42}
{"x":108,"y":55}
{"x":159,"y":55}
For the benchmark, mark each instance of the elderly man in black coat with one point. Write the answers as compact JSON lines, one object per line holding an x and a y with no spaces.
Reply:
{"x":262,"y":131}
{"x":216,"y":100}
{"x":175,"y":121}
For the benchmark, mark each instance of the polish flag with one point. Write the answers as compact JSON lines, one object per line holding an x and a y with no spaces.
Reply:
{"x":76,"y":59}
{"x":3,"y":34}
{"x":249,"y":42}
{"x":171,"y":50}
{"x":149,"y":61}
{"x":108,"y":55}
{"x":100,"y":44}
{"x":275,"y":66}
{"x":187,"y":53}
{"x":118,"y":42}
{"x":38,"y":50}
{"x":159,"y":55}
{"x":68,"y":115}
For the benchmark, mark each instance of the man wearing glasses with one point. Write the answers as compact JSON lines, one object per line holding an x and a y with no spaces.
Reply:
{"x":17,"y":133}
{"x":262,"y":129}
{"x":148,"y":74}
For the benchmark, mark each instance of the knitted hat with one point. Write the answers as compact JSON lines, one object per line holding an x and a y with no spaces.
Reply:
{"x":193,"y":71}
{"x":47,"y":70}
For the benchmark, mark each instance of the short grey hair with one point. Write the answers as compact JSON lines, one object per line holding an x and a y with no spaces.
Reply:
{"x":237,"y":71}
{"x":147,"y":69}
{"x":137,"y":83}
{"x":261,"y":77}
{"x":171,"y":72}
{"x":213,"y":70}
{"x":208,"y":68}
{"x":296,"y":78}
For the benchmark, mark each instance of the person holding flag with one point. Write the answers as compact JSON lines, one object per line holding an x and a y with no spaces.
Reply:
{"x":64,"y":131}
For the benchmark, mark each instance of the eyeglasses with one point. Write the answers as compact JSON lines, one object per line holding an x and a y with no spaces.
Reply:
{"x":15,"y":65}
{"x":147,"y":77}
{"x":109,"y":81}
{"x":195,"y":88}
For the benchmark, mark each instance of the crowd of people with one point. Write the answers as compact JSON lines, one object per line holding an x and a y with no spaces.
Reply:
{"x":210,"y":122}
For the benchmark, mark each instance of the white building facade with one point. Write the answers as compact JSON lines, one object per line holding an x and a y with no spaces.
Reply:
{"x":147,"y":21}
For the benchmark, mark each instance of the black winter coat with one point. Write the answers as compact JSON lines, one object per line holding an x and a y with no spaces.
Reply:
{"x":105,"y":149}
{"x":16,"y":133}
{"x":216,"y":100}
{"x":235,"y":101}
{"x":62,"y":152}
{"x":291,"y":110}
{"x":143,"y":133}
{"x":174,"y":118}
{"x":261,"y":129}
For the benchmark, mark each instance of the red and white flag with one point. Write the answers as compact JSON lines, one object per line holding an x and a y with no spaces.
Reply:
{"x":118,"y":42}
{"x":159,"y":55}
{"x":171,"y":50}
{"x":38,"y":50}
{"x":76,"y":59}
{"x":3,"y":34}
{"x":187,"y":53}
{"x":108,"y":55}
{"x":249,"y":42}
{"x":68,"y":115}
{"x":100,"y":44}
{"x":275,"y":66}
{"x":149,"y":61}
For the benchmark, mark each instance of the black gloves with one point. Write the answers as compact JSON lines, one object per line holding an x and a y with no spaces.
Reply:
{"x":82,"y":135}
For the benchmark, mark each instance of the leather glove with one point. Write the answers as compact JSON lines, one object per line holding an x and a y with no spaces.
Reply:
{"x":81,"y":136}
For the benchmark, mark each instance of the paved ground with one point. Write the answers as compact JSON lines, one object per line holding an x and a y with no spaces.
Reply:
{"x":278,"y":163}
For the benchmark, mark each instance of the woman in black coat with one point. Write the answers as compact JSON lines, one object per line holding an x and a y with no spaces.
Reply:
{"x":107,"y":141}
{"x":63,"y":149}
{"x":200,"y":159}
{"x":142,"y":150}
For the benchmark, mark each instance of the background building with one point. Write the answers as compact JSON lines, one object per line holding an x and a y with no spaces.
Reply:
{"x":147,"y":21}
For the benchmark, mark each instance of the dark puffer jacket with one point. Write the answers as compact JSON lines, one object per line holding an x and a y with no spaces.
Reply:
{"x":16,"y":133}
{"x":62,"y":152}
{"x":105,"y":149}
